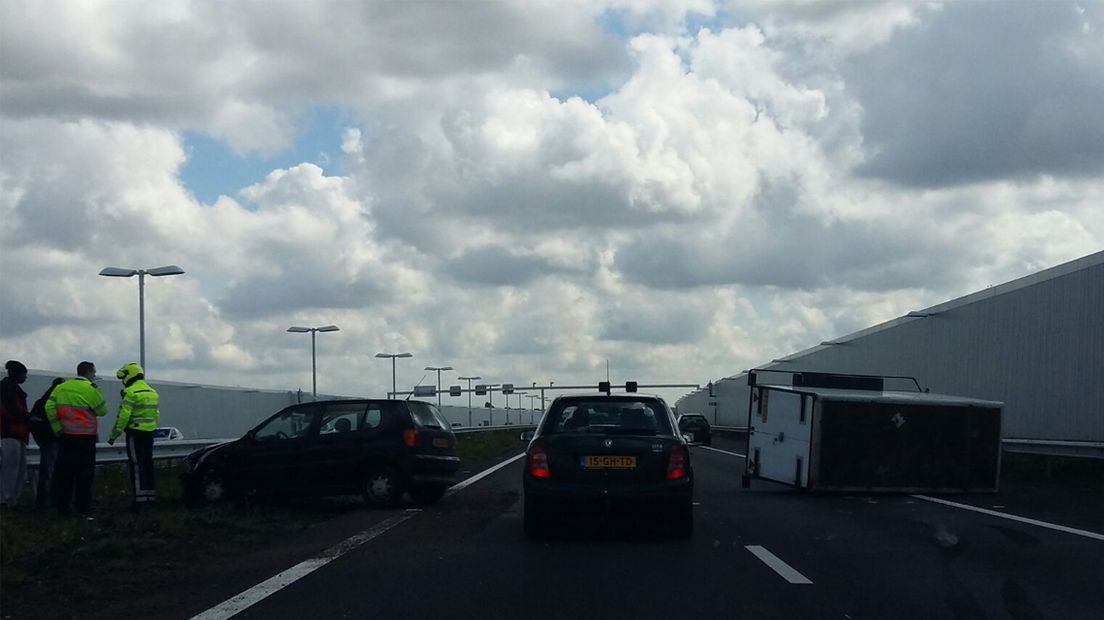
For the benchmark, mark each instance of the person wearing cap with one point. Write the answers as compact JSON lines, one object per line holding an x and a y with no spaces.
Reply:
{"x":15,"y":428}
{"x":74,"y":409}
{"x":139,"y":415}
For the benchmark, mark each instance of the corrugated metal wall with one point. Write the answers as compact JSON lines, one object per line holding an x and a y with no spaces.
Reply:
{"x":215,"y":412}
{"x":1037,"y":344}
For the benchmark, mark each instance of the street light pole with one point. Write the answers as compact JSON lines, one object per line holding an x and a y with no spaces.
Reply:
{"x":393,"y":356}
{"x":119,"y":272}
{"x":469,"y":380}
{"x":296,"y":329}
{"x":438,"y":369}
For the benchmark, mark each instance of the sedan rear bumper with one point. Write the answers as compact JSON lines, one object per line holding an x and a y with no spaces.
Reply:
{"x":431,"y":469}
{"x":552,"y":491}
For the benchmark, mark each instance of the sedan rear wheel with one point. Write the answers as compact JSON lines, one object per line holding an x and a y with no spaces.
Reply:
{"x":382,"y":487}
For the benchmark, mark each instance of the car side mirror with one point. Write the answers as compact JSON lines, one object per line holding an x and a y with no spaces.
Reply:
{"x":527,"y":436}
{"x":687,"y":439}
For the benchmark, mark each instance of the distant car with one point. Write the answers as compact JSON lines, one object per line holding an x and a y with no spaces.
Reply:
{"x":167,"y":433}
{"x":376,"y":448}
{"x":697,"y":428}
{"x":608,"y":453}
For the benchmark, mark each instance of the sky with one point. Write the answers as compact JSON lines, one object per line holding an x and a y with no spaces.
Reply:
{"x":527,"y":190}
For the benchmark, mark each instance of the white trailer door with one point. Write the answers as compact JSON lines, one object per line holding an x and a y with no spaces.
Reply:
{"x":779,"y":439}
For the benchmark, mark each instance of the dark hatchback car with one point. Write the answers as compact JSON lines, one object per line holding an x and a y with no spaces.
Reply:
{"x":375,"y":448}
{"x":697,"y":427}
{"x":613,"y":454}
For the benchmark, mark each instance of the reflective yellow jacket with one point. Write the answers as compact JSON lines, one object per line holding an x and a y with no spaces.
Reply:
{"x":140,"y":409}
{"x":75,"y":406}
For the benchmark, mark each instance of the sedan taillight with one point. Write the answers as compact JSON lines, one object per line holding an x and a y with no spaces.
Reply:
{"x":678,"y":464}
{"x":410,"y":438}
{"x":537,"y":462}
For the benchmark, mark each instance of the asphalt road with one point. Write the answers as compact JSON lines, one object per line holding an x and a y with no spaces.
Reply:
{"x":764,"y":552}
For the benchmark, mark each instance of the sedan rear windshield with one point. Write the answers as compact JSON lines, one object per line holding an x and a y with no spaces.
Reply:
{"x":426,"y":415}
{"x":608,"y":416}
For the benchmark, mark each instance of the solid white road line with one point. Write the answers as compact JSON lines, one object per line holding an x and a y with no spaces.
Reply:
{"x":262,"y":590}
{"x":268,"y":587}
{"x":743,"y":456}
{"x":481,"y":475}
{"x":785,"y":570}
{"x":782,"y":568}
{"x":1004,"y":515}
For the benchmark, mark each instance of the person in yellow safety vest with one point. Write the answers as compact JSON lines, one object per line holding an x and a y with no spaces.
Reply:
{"x":139,"y":415}
{"x":74,"y":409}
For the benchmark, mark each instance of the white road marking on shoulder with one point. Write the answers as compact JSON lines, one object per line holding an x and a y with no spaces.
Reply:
{"x":266,"y":588}
{"x":1011,"y":517}
{"x":743,"y":456}
{"x":481,"y":475}
{"x":785,"y":570}
{"x":270,"y":586}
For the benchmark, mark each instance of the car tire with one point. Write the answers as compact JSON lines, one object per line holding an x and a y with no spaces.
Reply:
{"x":382,"y":487}
{"x":535,"y":520}
{"x":213,"y":488}
{"x":682,"y":523}
{"x":427,"y":493}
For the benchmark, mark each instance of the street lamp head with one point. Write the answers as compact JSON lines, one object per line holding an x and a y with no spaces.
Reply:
{"x":329,"y":328}
{"x":385,"y":355}
{"x":298,"y":330}
{"x":469,"y":378}
{"x":438,"y":368}
{"x":118,"y":272}
{"x":167,"y":270}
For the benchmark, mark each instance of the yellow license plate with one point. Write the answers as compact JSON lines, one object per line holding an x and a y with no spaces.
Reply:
{"x":609,"y":462}
{"x":440,"y":442}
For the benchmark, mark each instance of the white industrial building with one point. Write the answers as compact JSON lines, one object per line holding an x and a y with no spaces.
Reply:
{"x":1036,"y":344}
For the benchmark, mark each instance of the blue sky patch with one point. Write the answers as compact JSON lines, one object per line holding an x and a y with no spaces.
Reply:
{"x":213,"y":169}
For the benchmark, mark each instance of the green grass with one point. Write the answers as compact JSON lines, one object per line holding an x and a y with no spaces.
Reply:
{"x":476,"y":447}
{"x":40,"y":550}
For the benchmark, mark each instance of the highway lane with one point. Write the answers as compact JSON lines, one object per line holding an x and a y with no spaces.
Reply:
{"x":860,"y":556}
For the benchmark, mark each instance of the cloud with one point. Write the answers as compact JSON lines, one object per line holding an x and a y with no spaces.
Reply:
{"x":984,"y":92}
{"x":524,"y":191}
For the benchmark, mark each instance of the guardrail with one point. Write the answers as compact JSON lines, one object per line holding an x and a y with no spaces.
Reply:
{"x":167,"y":450}
{"x":460,"y":430}
{"x":117,"y":453}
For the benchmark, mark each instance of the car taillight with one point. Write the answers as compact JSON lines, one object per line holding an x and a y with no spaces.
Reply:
{"x":410,"y":438}
{"x":538,"y":461}
{"x":678,"y":465}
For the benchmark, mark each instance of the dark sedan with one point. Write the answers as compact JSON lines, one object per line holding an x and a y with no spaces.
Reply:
{"x":376,"y":448}
{"x":697,"y":428}
{"x":608,"y":453}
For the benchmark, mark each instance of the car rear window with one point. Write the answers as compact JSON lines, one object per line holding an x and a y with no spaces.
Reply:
{"x":619,"y":416}
{"x":694,"y":419}
{"x":427,"y":415}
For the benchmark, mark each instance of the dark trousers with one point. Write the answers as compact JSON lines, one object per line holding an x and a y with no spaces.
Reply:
{"x":47,"y":459}
{"x":74,"y":472}
{"x":143,"y":481}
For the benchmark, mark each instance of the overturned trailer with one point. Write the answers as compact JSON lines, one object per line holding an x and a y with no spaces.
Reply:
{"x":837,"y":432}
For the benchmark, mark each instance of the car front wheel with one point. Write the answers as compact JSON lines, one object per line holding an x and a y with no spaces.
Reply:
{"x":213,"y":488}
{"x":382,"y":487}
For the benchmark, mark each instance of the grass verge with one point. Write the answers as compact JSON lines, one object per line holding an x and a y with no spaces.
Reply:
{"x":67,"y":564}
